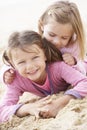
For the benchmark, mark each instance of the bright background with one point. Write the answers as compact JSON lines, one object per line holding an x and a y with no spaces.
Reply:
{"x":16,"y":15}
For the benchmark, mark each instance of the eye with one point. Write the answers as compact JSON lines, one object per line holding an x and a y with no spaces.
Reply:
{"x":51,"y":34}
{"x":65,"y":38}
{"x":35,"y":57}
{"x":21,"y":62}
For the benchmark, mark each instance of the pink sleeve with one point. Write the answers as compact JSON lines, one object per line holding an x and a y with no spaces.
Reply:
{"x":7,"y":112}
{"x":8,"y":104}
{"x":76,"y":79}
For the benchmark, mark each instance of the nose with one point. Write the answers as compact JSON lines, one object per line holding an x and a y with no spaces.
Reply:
{"x":29,"y":66}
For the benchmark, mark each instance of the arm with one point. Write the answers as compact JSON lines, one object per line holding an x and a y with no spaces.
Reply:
{"x":69,"y":59}
{"x":76,"y":79}
{"x":33,"y":108}
{"x":71,"y":54}
{"x":8,"y":104}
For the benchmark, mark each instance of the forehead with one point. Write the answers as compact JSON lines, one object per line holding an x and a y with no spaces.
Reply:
{"x":29,"y":49}
{"x":55,"y":27}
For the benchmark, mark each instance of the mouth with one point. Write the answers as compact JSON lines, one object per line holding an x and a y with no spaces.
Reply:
{"x":32,"y":72}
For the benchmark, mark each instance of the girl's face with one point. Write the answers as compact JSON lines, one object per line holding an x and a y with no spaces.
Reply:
{"x":58,"y":34}
{"x":31,"y":63}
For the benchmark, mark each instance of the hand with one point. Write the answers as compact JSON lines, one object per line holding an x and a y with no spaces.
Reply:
{"x":69,"y":59}
{"x":49,"y":110}
{"x":9,"y":76}
{"x":33,"y":108}
{"x":52,"y":108}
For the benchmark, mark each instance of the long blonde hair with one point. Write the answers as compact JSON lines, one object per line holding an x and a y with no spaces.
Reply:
{"x":65,"y":12}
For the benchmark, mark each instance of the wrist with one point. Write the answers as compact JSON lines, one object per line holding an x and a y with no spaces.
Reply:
{"x":64,"y":100}
{"x":21,"y":112}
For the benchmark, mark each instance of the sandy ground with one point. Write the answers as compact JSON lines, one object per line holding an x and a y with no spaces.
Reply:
{"x":72,"y":117}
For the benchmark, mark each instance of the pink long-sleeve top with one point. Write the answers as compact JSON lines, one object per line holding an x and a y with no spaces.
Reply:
{"x":59,"y":76}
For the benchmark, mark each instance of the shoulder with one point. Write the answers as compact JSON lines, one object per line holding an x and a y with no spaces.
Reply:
{"x":60,"y":66}
{"x":57,"y":65}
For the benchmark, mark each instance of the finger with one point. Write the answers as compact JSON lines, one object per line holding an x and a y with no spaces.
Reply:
{"x":37,"y":116}
{"x":42,"y":100}
{"x":8,"y":79}
{"x":46,"y":102}
{"x":8,"y":74}
{"x":45,"y":98}
{"x":11,"y":71}
{"x":44,"y":114}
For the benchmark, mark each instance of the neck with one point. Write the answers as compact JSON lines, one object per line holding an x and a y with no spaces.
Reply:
{"x":42,"y":79}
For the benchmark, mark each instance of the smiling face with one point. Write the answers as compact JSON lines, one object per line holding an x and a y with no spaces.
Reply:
{"x":30,"y":63}
{"x":58,"y":34}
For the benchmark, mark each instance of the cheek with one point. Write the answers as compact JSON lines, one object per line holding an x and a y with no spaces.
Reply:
{"x":66,"y":42}
{"x":20,"y":69}
{"x":46,"y":35}
{"x":50,"y":39}
{"x":42,"y":63}
{"x":22,"y":73}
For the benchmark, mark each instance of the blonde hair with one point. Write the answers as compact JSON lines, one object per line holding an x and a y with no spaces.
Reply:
{"x":65,"y":12}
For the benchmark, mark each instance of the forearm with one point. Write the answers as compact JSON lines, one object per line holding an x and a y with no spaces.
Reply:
{"x":22,"y":111}
{"x":63,"y":101}
{"x":29,"y":109}
{"x":67,"y":98}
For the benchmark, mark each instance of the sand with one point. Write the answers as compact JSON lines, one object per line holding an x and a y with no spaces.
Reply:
{"x":71,"y":117}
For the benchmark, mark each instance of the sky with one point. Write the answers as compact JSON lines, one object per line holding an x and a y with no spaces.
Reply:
{"x":16,"y":15}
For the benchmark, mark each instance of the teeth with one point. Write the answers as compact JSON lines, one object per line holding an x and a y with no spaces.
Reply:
{"x":31,"y":72}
